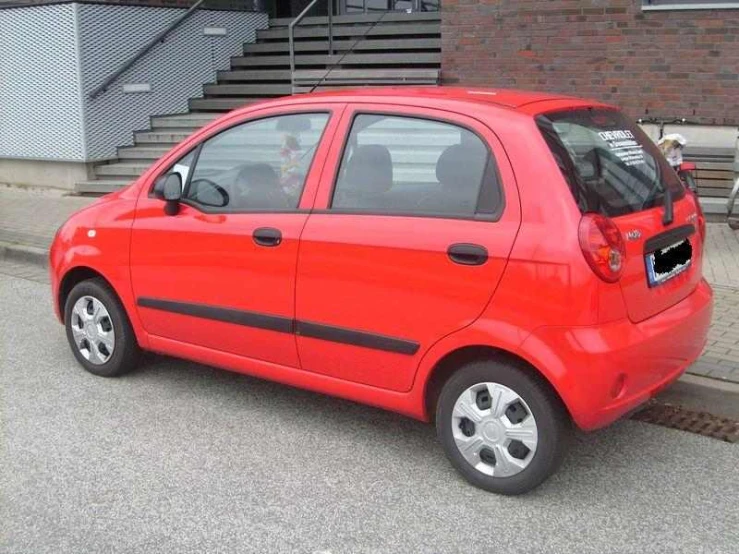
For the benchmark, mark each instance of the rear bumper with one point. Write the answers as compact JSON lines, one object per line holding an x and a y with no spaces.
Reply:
{"x":606,"y":371}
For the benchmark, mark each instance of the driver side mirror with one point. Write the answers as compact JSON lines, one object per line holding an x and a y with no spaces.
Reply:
{"x":172,"y":193}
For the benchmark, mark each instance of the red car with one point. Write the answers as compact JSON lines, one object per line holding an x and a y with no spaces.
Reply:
{"x":502,"y":263}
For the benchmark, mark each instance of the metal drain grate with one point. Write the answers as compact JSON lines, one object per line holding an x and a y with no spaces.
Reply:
{"x":701,"y":423}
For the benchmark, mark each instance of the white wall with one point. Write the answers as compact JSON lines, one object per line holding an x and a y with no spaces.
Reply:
{"x":175,"y":70}
{"x":40,"y":95}
{"x":52,"y":57}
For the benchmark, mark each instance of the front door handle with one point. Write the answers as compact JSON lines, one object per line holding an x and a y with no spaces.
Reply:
{"x":267,"y":236}
{"x":467,"y":254}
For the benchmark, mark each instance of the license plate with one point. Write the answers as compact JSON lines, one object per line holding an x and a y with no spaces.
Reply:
{"x":667,"y":262}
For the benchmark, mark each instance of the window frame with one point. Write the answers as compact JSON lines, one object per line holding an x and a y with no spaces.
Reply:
{"x":197,"y":149}
{"x":672,"y":5}
{"x":487,"y":177}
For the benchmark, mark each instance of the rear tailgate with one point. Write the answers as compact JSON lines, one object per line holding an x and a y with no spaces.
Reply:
{"x":645,"y":234}
{"x":613,"y":169}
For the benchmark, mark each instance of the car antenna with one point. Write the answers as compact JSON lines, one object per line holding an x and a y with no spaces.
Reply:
{"x":349,"y":51}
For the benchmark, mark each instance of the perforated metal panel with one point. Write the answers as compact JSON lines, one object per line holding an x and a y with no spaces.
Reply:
{"x":52,"y":56}
{"x":40,"y":98}
{"x":175,"y":70}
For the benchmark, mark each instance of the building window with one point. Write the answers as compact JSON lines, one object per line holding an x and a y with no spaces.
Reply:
{"x":658,"y":5}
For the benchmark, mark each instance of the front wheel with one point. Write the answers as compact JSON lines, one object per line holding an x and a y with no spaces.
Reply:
{"x":503,"y":429}
{"x":98,"y":330}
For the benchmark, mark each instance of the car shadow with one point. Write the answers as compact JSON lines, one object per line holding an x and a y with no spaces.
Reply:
{"x":594,"y":463}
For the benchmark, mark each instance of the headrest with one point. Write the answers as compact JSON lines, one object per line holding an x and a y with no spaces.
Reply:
{"x":461,"y":166}
{"x":370,"y":169}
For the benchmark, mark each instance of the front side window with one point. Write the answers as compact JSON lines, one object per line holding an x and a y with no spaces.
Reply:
{"x":256,"y":166}
{"x":406,"y":165}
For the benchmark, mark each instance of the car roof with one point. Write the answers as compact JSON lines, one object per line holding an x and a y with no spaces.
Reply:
{"x":507,"y":98}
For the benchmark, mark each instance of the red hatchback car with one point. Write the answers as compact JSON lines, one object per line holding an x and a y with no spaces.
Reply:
{"x":503,"y":263}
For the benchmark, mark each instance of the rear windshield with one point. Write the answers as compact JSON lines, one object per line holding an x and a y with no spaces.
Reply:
{"x":610,"y":165}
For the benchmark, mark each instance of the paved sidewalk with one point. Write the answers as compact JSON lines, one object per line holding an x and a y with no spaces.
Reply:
{"x":721,"y":265}
{"x":30,"y":219}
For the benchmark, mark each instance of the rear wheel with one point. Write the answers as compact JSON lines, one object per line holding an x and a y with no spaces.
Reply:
{"x":504,"y":430}
{"x":98,"y":330}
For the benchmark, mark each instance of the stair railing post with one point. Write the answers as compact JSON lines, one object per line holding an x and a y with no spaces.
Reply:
{"x":330,"y":27}
{"x":291,"y":41}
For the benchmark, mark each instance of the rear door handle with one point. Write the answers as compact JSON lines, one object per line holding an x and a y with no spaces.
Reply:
{"x":467,"y":254}
{"x":267,"y":236}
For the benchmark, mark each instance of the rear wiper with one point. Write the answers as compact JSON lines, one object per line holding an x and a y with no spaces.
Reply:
{"x":668,"y":216}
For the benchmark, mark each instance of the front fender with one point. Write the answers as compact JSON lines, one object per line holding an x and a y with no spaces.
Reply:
{"x":97,"y":240}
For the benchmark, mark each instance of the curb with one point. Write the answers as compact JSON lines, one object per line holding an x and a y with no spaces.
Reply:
{"x":22,"y":253}
{"x":719,"y":398}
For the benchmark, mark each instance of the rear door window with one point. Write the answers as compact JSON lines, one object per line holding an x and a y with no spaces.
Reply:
{"x":413,"y":166}
{"x":609,"y":163}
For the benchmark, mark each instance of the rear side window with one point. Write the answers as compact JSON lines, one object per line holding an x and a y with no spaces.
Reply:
{"x":406,"y":165}
{"x":610,"y":165}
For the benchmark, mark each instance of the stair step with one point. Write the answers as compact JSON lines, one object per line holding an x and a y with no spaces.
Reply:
{"x":387,"y":17}
{"x":273,"y":89}
{"x":122,"y":170}
{"x":368,"y":74}
{"x":149,"y":153}
{"x":217,"y":104}
{"x":713,"y":205}
{"x":306,"y":80}
{"x":255,"y":75}
{"x":343,"y":45}
{"x":399,"y":29}
{"x":158,"y":137}
{"x":100,"y":186}
{"x":399,"y":58}
{"x":181,"y":122}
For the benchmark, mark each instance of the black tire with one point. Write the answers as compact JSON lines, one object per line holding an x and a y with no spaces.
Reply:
{"x":126,"y":351}
{"x":552,"y":421}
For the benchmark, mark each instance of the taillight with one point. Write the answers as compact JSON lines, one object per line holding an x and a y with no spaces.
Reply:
{"x":603,"y":246}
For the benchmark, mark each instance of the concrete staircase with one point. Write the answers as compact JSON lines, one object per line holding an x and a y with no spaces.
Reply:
{"x":402,"y":49}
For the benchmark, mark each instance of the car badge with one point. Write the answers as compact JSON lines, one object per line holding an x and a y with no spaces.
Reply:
{"x":634,"y":234}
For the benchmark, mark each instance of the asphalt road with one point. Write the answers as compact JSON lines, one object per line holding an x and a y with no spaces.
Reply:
{"x":179,"y":457}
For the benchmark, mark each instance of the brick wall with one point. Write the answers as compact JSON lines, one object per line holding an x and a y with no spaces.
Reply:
{"x":671,"y":63}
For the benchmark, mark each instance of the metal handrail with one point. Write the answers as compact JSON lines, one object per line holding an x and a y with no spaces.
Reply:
{"x":102,"y":87}
{"x":731,"y":219}
{"x":291,"y":35}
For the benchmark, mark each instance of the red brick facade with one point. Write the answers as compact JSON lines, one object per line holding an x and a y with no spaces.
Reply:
{"x":671,"y":63}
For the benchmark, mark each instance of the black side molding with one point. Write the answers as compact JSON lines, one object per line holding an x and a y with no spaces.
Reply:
{"x":668,"y":237}
{"x":284,"y":325}
{"x":356,"y":338}
{"x":227,"y":315}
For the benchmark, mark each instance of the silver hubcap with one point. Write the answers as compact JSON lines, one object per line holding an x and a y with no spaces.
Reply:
{"x":494,"y":429}
{"x":92,"y":330}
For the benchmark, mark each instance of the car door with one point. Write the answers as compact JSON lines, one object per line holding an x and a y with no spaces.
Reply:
{"x":410,"y":233}
{"x":221,"y":272}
